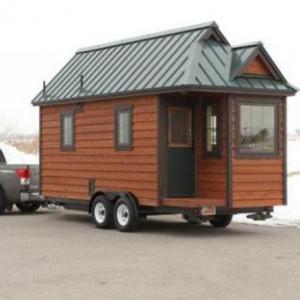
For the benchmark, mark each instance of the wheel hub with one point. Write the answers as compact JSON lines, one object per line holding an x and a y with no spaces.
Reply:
{"x":100,"y":212}
{"x":123,"y":215}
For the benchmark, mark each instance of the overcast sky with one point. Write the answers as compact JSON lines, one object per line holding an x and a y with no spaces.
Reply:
{"x":38,"y":37}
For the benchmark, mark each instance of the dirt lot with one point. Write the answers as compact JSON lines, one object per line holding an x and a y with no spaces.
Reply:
{"x":61,"y":255}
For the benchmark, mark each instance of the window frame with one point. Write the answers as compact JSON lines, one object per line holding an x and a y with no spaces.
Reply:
{"x":258,"y":102}
{"x":64,"y":147}
{"x":118,"y":109}
{"x":217,"y":152}
{"x":189,"y":143}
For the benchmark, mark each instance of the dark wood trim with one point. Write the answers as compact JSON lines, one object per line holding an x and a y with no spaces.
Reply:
{"x":218,"y":152}
{"x":40,"y":151}
{"x":64,"y":147}
{"x":285,"y":146}
{"x":123,"y":108}
{"x":229,"y":180}
{"x":257,"y":101}
{"x":160,"y":158}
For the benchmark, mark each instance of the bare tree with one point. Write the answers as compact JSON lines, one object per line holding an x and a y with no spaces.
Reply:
{"x":7,"y":130}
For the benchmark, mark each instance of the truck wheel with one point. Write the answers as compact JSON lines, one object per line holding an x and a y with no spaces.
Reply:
{"x":221,"y":221}
{"x":125,"y":214}
{"x":102,"y":212}
{"x":28,"y":207}
{"x":2,"y":203}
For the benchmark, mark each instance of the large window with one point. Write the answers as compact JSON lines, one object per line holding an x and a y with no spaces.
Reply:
{"x":123,"y":128}
{"x":180,"y":127}
{"x":67,"y":131}
{"x":257,"y":128}
{"x":211,"y":128}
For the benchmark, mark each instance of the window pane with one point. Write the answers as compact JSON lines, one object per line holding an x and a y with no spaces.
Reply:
{"x":211,"y":128}
{"x":123,"y":128}
{"x":68,"y":130}
{"x":180,"y":127}
{"x":257,"y":128}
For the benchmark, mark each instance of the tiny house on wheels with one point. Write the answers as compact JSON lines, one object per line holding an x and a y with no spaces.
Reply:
{"x":174,"y":122}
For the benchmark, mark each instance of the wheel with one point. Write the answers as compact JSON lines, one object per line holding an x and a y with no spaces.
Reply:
{"x":102,"y":212}
{"x":221,"y":221}
{"x":125,"y":214}
{"x":2,"y":203}
{"x":28,"y":207}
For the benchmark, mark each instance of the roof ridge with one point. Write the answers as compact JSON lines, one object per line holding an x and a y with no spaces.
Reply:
{"x":149,"y":36}
{"x":248,"y":45}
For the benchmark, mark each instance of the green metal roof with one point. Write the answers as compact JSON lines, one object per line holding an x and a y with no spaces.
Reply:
{"x":193,"y":58}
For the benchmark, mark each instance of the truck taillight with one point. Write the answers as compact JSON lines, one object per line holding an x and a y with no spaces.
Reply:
{"x":24,"y":174}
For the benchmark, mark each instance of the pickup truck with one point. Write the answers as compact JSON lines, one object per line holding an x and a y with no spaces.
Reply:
{"x":19,"y":185}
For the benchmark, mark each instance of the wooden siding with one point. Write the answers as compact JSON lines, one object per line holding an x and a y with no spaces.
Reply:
{"x":258,"y":181}
{"x":65,"y":174}
{"x":212,"y":179}
{"x":258,"y":67}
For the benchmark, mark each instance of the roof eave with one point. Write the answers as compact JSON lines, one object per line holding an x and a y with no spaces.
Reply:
{"x":182,"y":88}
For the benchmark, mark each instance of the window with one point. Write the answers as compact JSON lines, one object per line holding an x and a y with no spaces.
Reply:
{"x":211,"y":129}
{"x":257,"y":128}
{"x":123,"y":128}
{"x":180,"y":127}
{"x":67,"y":131}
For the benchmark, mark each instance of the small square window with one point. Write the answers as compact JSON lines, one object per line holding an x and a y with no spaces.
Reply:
{"x":123,"y":128}
{"x":67,"y":131}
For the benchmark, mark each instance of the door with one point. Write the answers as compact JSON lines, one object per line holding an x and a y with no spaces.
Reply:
{"x":180,"y":151}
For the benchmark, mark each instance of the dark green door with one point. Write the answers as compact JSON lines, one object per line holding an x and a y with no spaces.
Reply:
{"x":180,"y":152}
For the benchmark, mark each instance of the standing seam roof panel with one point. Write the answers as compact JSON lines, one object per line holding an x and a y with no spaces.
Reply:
{"x":142,"y":67}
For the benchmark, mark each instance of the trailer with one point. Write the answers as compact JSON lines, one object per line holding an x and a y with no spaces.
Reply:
{"x":174,"y":122}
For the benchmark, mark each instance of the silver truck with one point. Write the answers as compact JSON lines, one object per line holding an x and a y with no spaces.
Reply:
{"x":19,"y":185}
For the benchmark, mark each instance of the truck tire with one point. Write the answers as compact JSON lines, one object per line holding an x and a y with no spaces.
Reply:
{"x":102,"y":212}
{"x":125,"y":214}
{"x":2,"y":202}
{"x":221,"y":221}
{"x":28,"y":207}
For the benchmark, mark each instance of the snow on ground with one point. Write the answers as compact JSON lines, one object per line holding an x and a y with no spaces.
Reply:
{"x":285,"y":215}
{"x":14,"y":156}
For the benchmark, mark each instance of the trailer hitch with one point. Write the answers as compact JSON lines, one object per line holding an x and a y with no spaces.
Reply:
{"x":260,"y":216}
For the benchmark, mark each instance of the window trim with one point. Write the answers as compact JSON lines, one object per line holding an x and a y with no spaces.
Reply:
{"x":189,"y":144}
{"x":258,"y":102}
{"x":123,"y":108}
{"x":218,"y":152}
{"x":64,"y":147}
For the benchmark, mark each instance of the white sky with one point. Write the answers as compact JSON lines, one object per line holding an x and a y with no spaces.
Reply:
{"x":38,"y":37}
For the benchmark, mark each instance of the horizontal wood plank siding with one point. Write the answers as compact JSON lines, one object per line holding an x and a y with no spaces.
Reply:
{"x":65,"y":174}
{"x":258,"y":181}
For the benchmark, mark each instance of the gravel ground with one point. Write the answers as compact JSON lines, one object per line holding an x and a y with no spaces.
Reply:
{"x":61,"y":255}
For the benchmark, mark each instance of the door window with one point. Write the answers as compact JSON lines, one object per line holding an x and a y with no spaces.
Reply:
{"x":180,"y":127}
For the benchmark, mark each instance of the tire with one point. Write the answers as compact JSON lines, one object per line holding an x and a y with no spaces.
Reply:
{"x":125,"y":215}
{"x":28,"y":207}
{"x":102,"y":212}
{"x":221,"y":221}
{"x":2,"y":202}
